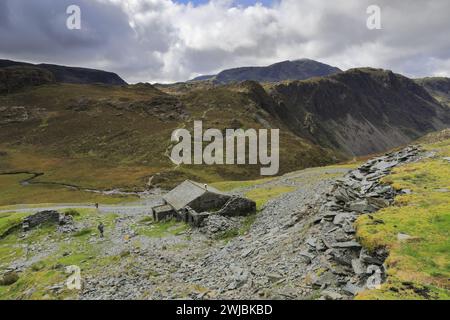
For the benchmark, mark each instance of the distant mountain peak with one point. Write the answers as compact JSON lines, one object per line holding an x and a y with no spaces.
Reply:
{"x":66,"y":74}
{"x":300,"y":69}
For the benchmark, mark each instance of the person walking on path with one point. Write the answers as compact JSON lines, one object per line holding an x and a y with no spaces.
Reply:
{"x":101,"y":229}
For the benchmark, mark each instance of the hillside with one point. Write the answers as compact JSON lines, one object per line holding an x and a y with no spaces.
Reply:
{"x":18,"y":77}
{"x":287,"y":70}
{"x":439,"y":88}
{"x":74,"y":75}
{"x":358,"y":112}
{"x":107,"y":137}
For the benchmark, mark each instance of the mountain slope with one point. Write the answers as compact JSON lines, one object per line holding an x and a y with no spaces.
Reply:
{"x":71,"y":74}
{"x":108,"y":137}
{"x":286,"y":70}
{"x":438,"y":87}
{"x":99,"y":136}
{"x":18,"y":77}
{"x":359,"y":112}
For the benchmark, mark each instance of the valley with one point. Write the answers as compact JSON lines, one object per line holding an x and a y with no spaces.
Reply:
{"x":340,"y":221}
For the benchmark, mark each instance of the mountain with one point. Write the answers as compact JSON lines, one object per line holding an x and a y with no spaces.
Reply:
{"x":358,"y":112}
{"x":438,"y":87}
{"x":119,"y":136}
{"x":287,"y":70}
{"x":74,"y":75}
{"x":104,"y":136}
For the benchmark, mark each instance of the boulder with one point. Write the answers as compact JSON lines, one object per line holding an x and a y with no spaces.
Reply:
{"x":341,"y":218}
{"x":358,"y":266}
{"x":361,"y":206}
{"x":352,"y":288}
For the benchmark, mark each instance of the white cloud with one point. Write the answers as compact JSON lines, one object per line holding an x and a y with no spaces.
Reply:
{"x":161,"y":40}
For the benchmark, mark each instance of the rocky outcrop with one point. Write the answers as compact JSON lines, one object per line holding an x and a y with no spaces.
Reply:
{"x":13,"y":114}
{"x":331,"y":245}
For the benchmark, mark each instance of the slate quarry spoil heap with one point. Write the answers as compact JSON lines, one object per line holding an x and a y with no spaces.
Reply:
{"x":331,"y":246}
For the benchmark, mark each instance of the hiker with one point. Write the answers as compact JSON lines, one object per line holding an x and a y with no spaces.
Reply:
{"x":101,"y":229}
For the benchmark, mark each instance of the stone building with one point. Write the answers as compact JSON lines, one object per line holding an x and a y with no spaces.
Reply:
{"x":193,"y":202}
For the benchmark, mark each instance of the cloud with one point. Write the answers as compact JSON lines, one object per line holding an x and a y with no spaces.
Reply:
{"x":165,"y":41}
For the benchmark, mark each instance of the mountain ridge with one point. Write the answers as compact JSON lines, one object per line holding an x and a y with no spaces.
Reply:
{"x":75,"y":75}
{"x":321,"y":120}
{"x":359,"y":111}
{"x":300,"y":69}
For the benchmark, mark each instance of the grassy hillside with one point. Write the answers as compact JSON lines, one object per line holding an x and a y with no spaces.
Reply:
{"x":104,"y":137}
{"x":419,"y":261}
{"x":108,"y":137}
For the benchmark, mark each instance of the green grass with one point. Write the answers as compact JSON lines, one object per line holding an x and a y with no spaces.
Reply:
{"x":233,"y":185}
{"x":10,"y":220}
{"x":420,"y":267}
{"x":35,"y":282}
{"x":13,"y":193}
{"x":161,"y":229}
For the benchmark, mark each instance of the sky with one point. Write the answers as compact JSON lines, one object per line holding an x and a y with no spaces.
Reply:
{"x":169,"y":41}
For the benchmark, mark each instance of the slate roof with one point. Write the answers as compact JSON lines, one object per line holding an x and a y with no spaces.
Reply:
{"x":187,"y":192}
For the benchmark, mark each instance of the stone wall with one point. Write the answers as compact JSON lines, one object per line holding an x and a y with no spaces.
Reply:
{"x":238,"y":206}
{"x":40,"y":218}
{"x":209,"y":202}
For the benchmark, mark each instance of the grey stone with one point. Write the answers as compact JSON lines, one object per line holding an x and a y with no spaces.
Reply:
{"x":308,"y":257}
{"x":357,"y":175}
{"x":404,"y":237}
{"x":352,"y":289}
{"x":361,"y":206}
{"x":311,"y":242}
{"x":378,"y":202}
{"x":331,"y":295}
{"x":365,"y":257}
{"x":385,"y":165}
{"x":321,"y":245}
{"x":348,"y":227}
{"x":358,"y":266}
{"x":347,"y":244}
{"x":40,"y":218}
{"x":340,"y":218}
{"x":238,"y":206}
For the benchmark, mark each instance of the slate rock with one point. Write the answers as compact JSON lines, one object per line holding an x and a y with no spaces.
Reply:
{"x":347,"y":244}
